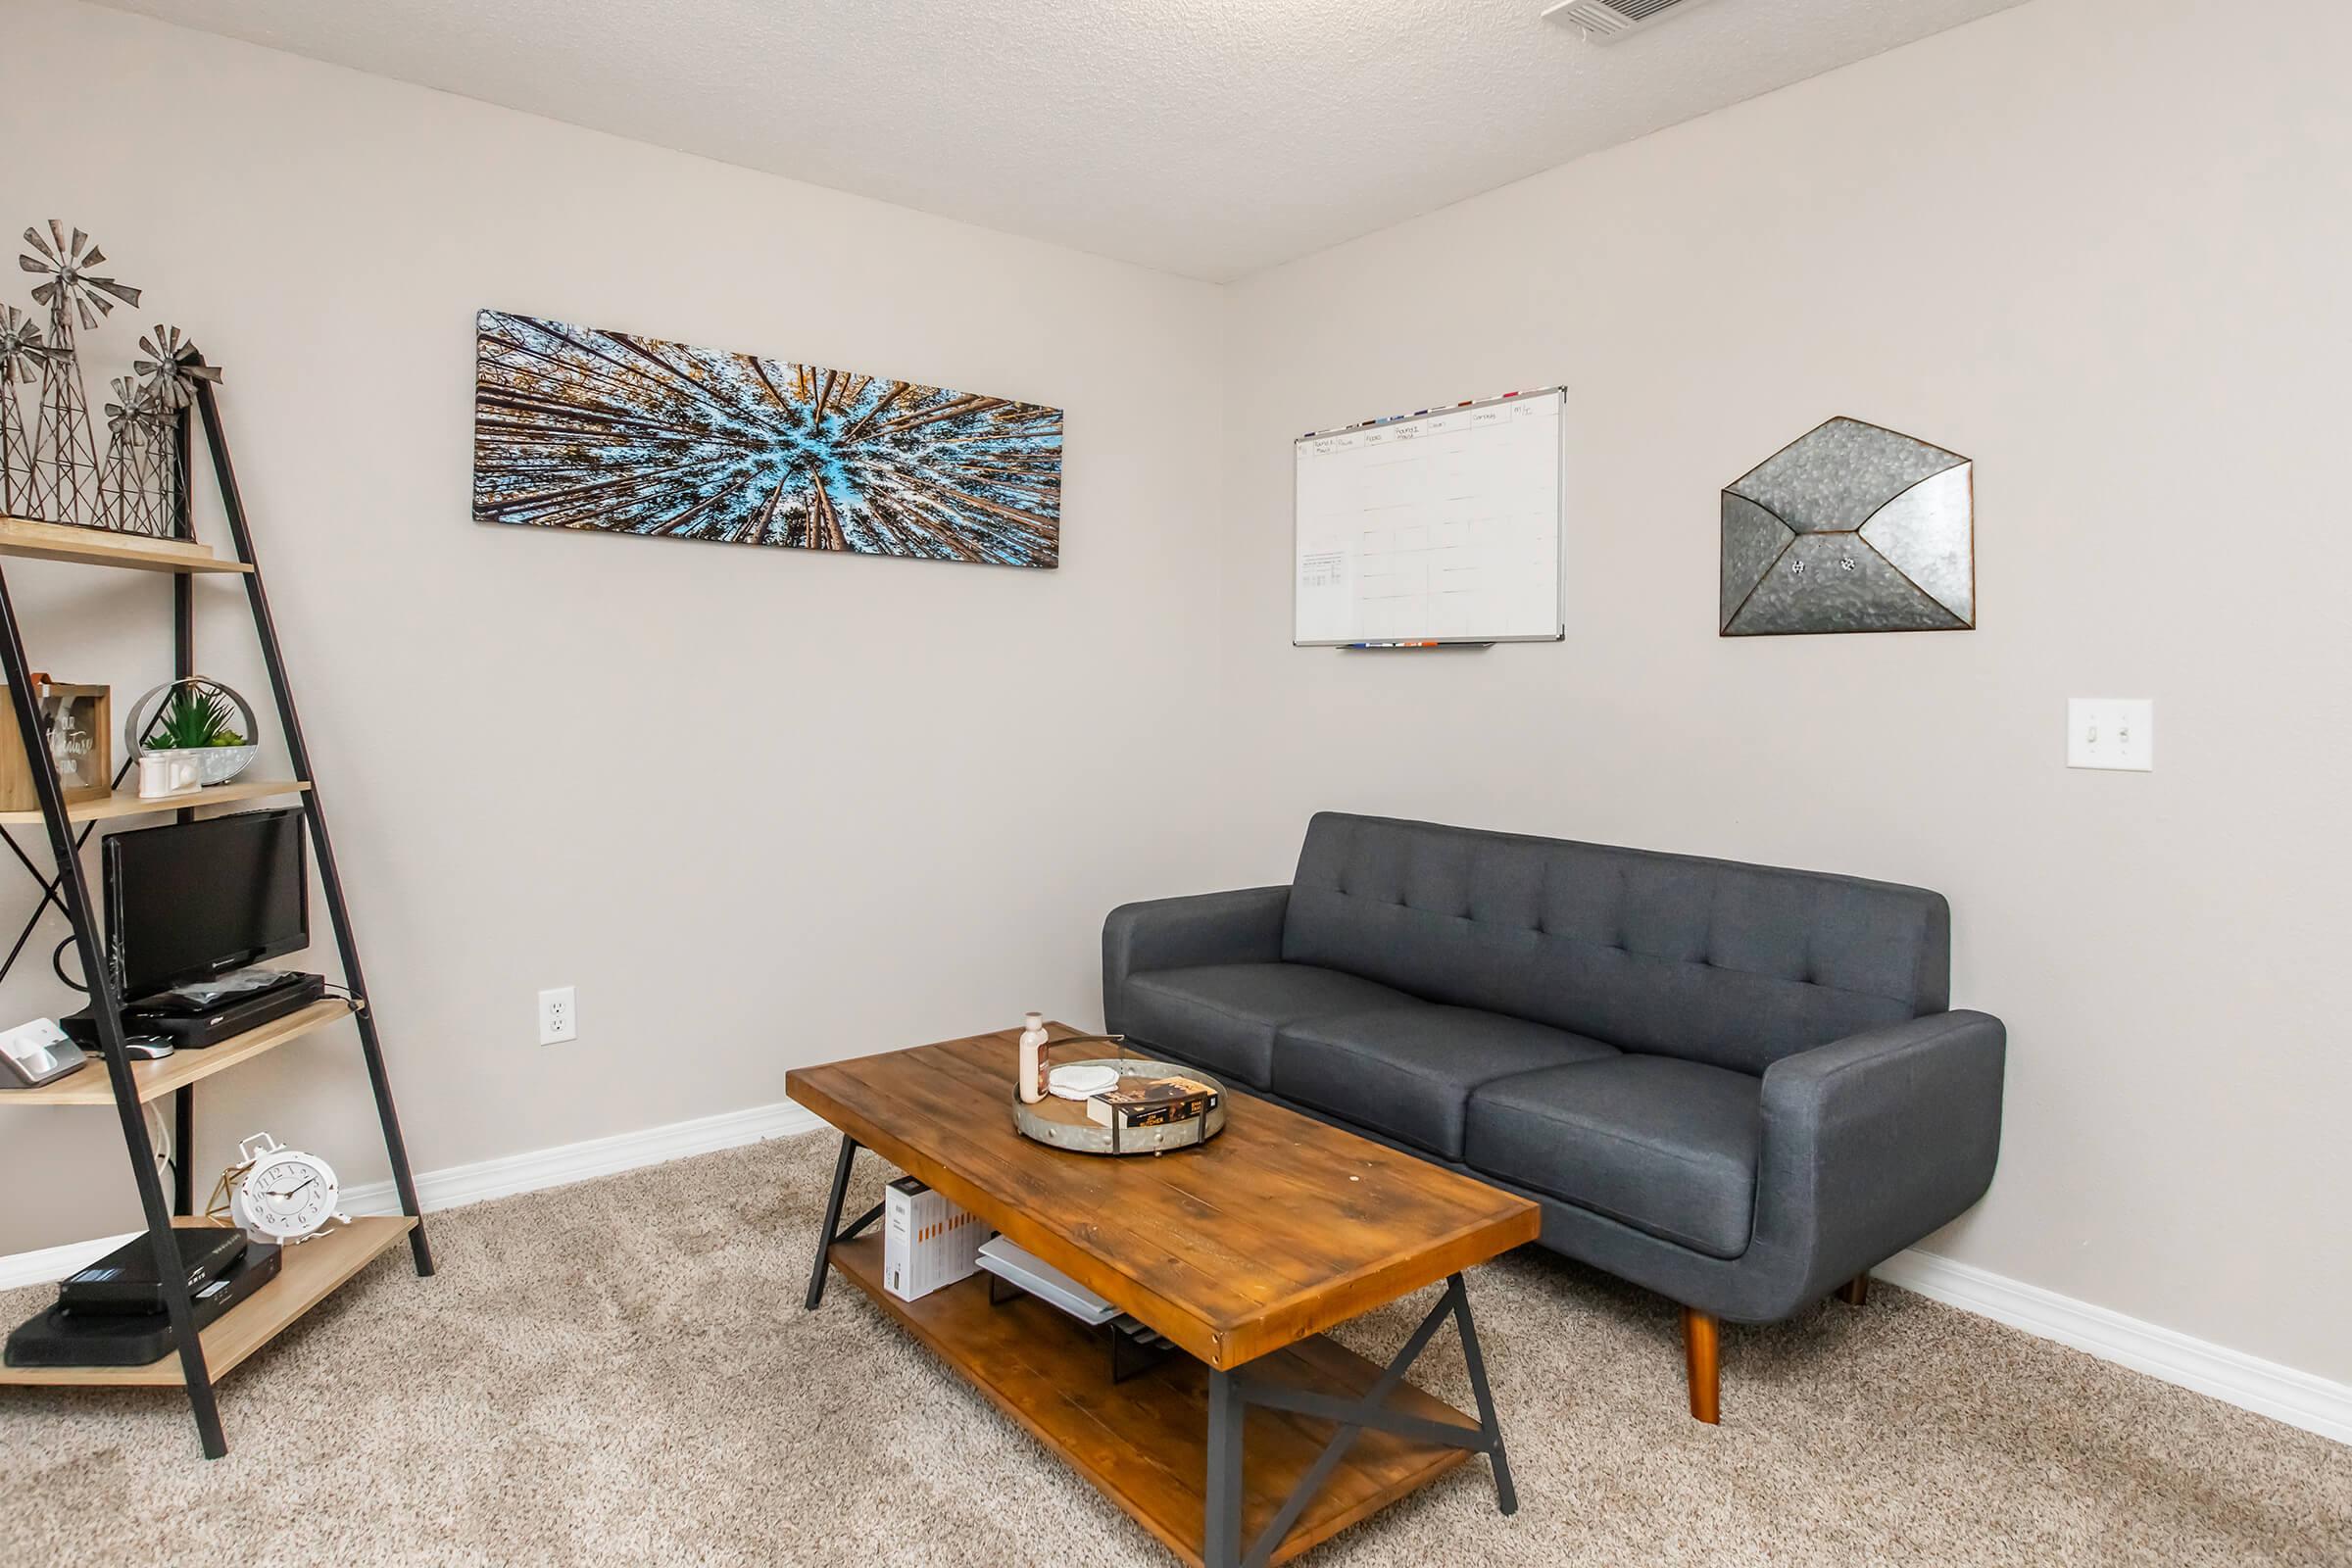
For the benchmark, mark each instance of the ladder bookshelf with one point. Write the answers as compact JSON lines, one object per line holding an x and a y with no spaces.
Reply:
{"x":315,"y":1268}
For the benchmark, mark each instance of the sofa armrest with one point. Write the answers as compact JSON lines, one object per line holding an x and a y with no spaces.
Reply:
{"x":1244,"y":926}
{"x":1874,"y":1140}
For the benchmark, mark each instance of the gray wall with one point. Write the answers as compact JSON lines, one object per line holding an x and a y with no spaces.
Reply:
{"x":762,"y":806}
{"x":2100,"y":247}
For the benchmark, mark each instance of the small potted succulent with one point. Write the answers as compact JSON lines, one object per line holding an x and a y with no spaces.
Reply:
{"x":201,"y":720}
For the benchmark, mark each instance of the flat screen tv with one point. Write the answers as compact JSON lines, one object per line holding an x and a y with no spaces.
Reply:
{"x":195,"y":900}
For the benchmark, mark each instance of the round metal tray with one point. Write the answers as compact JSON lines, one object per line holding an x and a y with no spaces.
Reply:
{"x":1064,"y":1123}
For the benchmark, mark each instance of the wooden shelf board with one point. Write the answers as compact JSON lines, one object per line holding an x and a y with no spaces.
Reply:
{"x":308,"y":1275}
{"x":1144,"y":1442}
{"x":124,"y":804}
{"x":92,"y":1086}
{"x":100,"y":547}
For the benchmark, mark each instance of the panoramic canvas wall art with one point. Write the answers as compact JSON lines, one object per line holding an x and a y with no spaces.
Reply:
{"x":577,"y":428}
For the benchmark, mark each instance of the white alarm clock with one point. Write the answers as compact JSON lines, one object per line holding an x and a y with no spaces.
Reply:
{"x":285,"y":1194}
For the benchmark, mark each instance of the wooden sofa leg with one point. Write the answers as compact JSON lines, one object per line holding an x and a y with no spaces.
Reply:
{"x":1699,"y":1351}
{"x":1855,"y":1291}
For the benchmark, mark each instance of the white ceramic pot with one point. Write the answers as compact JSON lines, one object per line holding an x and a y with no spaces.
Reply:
{"x":216,"y":765}
{"x":165,"y":773}
{"x":221,"y":764}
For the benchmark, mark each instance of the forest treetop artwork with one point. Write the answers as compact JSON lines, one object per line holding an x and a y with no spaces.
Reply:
{"x":580,"y":428}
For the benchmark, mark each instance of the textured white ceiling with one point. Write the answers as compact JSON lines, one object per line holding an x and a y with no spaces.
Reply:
{"x":1205,"y":138}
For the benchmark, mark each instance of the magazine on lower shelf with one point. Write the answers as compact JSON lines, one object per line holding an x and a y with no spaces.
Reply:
{"x":1041,"y":1278}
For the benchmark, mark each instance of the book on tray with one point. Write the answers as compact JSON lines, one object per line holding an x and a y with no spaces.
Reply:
{"x":1152,"y":1102}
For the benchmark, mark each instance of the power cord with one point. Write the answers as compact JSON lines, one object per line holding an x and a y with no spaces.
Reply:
{"x":56,"y":961}
{"x":159,"y":1138}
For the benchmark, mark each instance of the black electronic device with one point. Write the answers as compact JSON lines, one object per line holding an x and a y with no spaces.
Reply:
{"x":168,"y":1022}
{"x":61,"y":1337}
{"x":193,"y":1029}
{"x":124,"y":1280}
{"x":193,"y":901}
{"x":82,"y":1029}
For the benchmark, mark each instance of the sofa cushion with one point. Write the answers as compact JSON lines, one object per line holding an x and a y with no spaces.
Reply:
{"x":1666,"y":1145}
{"x":1222,"y":1016}
{"x":1735,"y":965}
{"x":1407,"y":1070}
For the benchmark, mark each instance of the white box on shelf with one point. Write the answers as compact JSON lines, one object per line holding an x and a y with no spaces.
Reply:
{"x":927,"y":1242}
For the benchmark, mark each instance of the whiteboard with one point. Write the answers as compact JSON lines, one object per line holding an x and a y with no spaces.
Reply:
{"x":1431,"y":527}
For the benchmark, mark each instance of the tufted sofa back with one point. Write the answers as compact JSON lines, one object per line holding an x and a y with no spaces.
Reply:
{"x":1736,"y":965}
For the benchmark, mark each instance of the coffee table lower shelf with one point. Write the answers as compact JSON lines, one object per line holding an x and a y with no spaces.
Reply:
{"x":1144,"y":1442}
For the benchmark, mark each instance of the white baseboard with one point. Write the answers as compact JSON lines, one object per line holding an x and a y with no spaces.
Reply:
{"x":459,"y":1185}
{"x":2298,"y":1399}
{"x":2282,"y":1393}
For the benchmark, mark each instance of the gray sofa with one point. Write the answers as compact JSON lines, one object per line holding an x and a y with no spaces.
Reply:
{"x":1735,"y":1085}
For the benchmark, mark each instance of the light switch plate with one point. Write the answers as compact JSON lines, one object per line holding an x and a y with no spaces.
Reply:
{"x":2111,"y":732}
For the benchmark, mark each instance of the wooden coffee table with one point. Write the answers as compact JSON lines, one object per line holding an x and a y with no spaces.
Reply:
{"x":1269,"y":1437}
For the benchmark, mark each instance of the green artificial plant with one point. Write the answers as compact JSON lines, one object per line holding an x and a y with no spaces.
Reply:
{"x":193,"y":719}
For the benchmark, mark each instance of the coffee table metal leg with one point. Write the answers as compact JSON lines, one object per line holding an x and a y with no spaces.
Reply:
{"x":825,"y":1237}
{"x":1352,"y":1416}
{"x":1506,"y":1496}
{"x":1221,"y":1506}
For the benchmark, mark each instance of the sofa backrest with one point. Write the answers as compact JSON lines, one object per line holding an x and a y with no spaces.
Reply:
{"x":1736,"y":965}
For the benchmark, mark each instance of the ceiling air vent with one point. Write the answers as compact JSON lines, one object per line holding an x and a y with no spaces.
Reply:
{"x":1605,"y":20}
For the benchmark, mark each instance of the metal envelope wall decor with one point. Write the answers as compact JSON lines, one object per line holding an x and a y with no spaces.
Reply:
{"x":1850,"y":527}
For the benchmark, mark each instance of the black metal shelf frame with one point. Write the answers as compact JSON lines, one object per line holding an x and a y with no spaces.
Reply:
{"x":69,"y":890}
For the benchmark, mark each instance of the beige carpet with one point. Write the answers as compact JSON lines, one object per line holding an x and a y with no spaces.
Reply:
{"x":620,"y":1373}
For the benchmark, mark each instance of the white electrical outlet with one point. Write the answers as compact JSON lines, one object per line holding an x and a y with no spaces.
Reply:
{"x":558,"y":1016}
{"x":2111,"y":732}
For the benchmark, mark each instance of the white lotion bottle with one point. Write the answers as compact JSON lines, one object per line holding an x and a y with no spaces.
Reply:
{"x":1033,"y":1049}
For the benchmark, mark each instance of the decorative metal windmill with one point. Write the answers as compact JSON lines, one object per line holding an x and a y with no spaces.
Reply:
{"x":129,"y":482}
{"x":66,"y":476}
{"x":21,"y":354}
{"x":173,"y":367}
